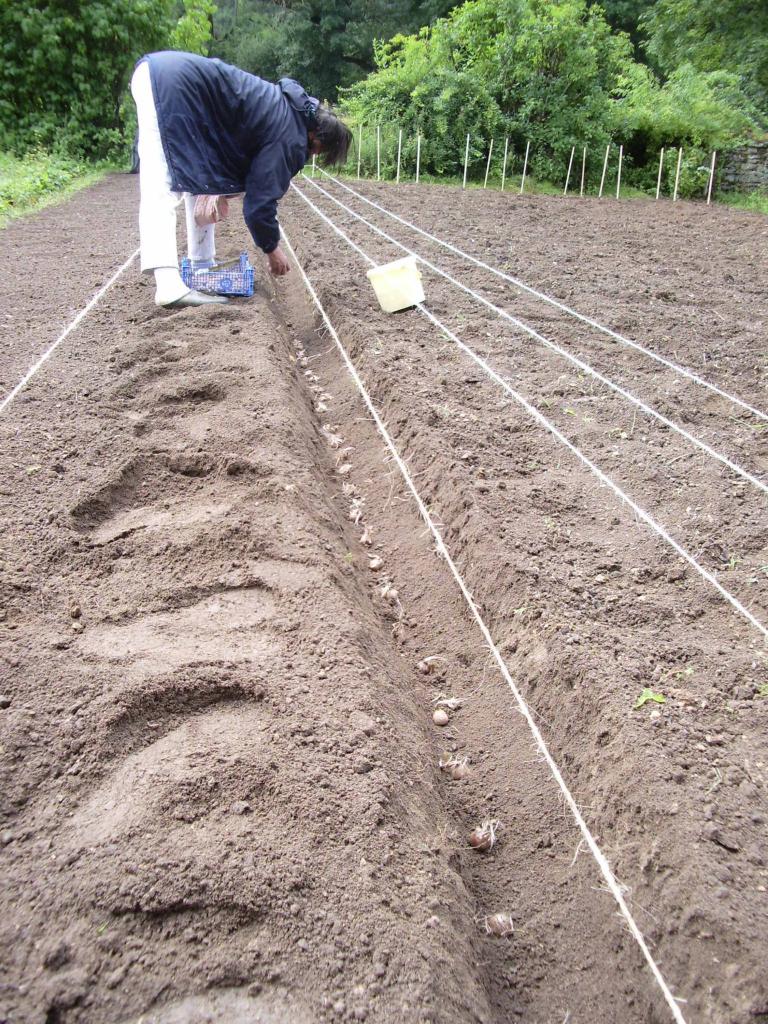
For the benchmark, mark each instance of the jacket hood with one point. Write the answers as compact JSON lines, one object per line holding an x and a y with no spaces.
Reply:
{"x":298,"y":99}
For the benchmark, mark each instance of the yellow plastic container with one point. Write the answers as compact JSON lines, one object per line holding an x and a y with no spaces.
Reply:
{"x":397,"y":285}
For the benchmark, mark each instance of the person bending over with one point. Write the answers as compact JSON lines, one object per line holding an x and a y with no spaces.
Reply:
{"x":208,"y":128}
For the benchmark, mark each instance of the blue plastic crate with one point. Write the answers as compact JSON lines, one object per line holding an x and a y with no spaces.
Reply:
{"x":235,"y":278}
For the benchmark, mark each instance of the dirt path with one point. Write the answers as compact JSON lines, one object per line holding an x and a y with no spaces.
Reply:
{"x":221,"y":790}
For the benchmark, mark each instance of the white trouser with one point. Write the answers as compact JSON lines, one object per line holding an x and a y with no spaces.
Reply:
{"x":157,"y":208}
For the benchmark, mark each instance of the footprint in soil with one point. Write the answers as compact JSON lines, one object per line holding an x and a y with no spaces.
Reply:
{"x":114,"y":493}
{"x":124,"y":358}
{"x":167,"y":700}
{"x":137,"y":481}
{"x":175,"y":519}
{"x":232,"y":1005}
{"x":129,"y":385}
{"x":193,"y":392}
{"x":231,"y":626}
{"x":169,"y":779}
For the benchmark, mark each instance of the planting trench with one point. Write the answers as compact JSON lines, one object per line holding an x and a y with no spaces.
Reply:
{"x":590,"y":606}
{"x":221,"y":791}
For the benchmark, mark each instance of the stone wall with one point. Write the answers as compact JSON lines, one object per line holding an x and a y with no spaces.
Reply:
{"x":744,"y":169}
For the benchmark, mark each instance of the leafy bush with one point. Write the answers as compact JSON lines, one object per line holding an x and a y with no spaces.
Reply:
{"x":557,"y":68}
{"x":526,"y":69}
{"x":551,"y":73}
{"x":712,"y":35}
{"x":694,"y":172}
{"x":698,"y":108}
{"x":415,"y":90}
{"x":194,"y":29}
{"x":65,"y":67}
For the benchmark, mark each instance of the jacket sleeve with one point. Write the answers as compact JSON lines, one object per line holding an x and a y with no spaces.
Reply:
{"x":268,"y":179}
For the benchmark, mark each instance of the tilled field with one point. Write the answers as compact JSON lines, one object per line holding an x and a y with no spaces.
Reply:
{"x":221,"y":787}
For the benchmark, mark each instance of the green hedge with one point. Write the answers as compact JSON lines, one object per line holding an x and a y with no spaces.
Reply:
{"x":65,"y":67}
{"x":550,"y":72}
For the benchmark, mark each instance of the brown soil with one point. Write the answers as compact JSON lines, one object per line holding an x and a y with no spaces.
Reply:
{"x":221,"y":796}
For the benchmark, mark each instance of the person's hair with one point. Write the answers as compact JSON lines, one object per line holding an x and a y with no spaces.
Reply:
{"x":334,"y":137}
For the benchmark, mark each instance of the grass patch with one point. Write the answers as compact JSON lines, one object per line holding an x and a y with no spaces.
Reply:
{"x":512,"y":182}
{"x":755,"y":201}
{"x":533,"y":186}
{"x":40,"y":179}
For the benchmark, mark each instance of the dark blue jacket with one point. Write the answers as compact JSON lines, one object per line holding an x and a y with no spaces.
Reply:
{"x":226,"y":131}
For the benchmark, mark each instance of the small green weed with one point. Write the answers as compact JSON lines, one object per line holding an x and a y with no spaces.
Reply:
{"x":647,"y":695}
{"x":683,"y":673}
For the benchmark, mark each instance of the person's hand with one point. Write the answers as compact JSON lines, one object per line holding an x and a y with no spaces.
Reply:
{"x":278,"y":262}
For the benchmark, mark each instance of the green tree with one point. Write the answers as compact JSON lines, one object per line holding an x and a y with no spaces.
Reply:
{"x":697,"y":110}
{"x":194,"y":29}
{"x":420,"y":87}
{"x":325,"y":44}
{"x":557,"y":76}
{"x":535,"y":70}
{"x":624,"y":16}
{"x":65,"y":67}
{"x":712,"y":35}
{"x":548,"y":72}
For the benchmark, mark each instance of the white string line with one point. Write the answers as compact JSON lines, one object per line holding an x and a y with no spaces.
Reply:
{"x":544,"y":422}
{"x":600,"y":858}
{"x":559,"y":305}
{"x":49,"y":352}
{"x":585,"y":367}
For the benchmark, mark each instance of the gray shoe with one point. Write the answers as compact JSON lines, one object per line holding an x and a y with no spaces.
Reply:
{"x":193,"y":298}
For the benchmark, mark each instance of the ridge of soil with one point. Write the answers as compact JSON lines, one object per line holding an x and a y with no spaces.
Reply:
{"x":221,"y":788}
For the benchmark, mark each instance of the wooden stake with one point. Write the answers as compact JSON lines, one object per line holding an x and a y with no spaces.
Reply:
{"x":677,"y":172}
{"x":568,"y":175}
{"x":605,"y":168}
{"x":466,"y":162}
{"x":525,"y":165}
{"x":399,"y":151}
{"x":359,"y":150}
{"x":583,"y":169}
{"x":661,"y":165}
{"x":314,"y":158}
{"x":488,"y":165}
{"x":378,"y":152}
{"x":618,"y":173}
{"x":504,"y":163}
{"x":418,"y":156}
{"x":711,"y":177}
